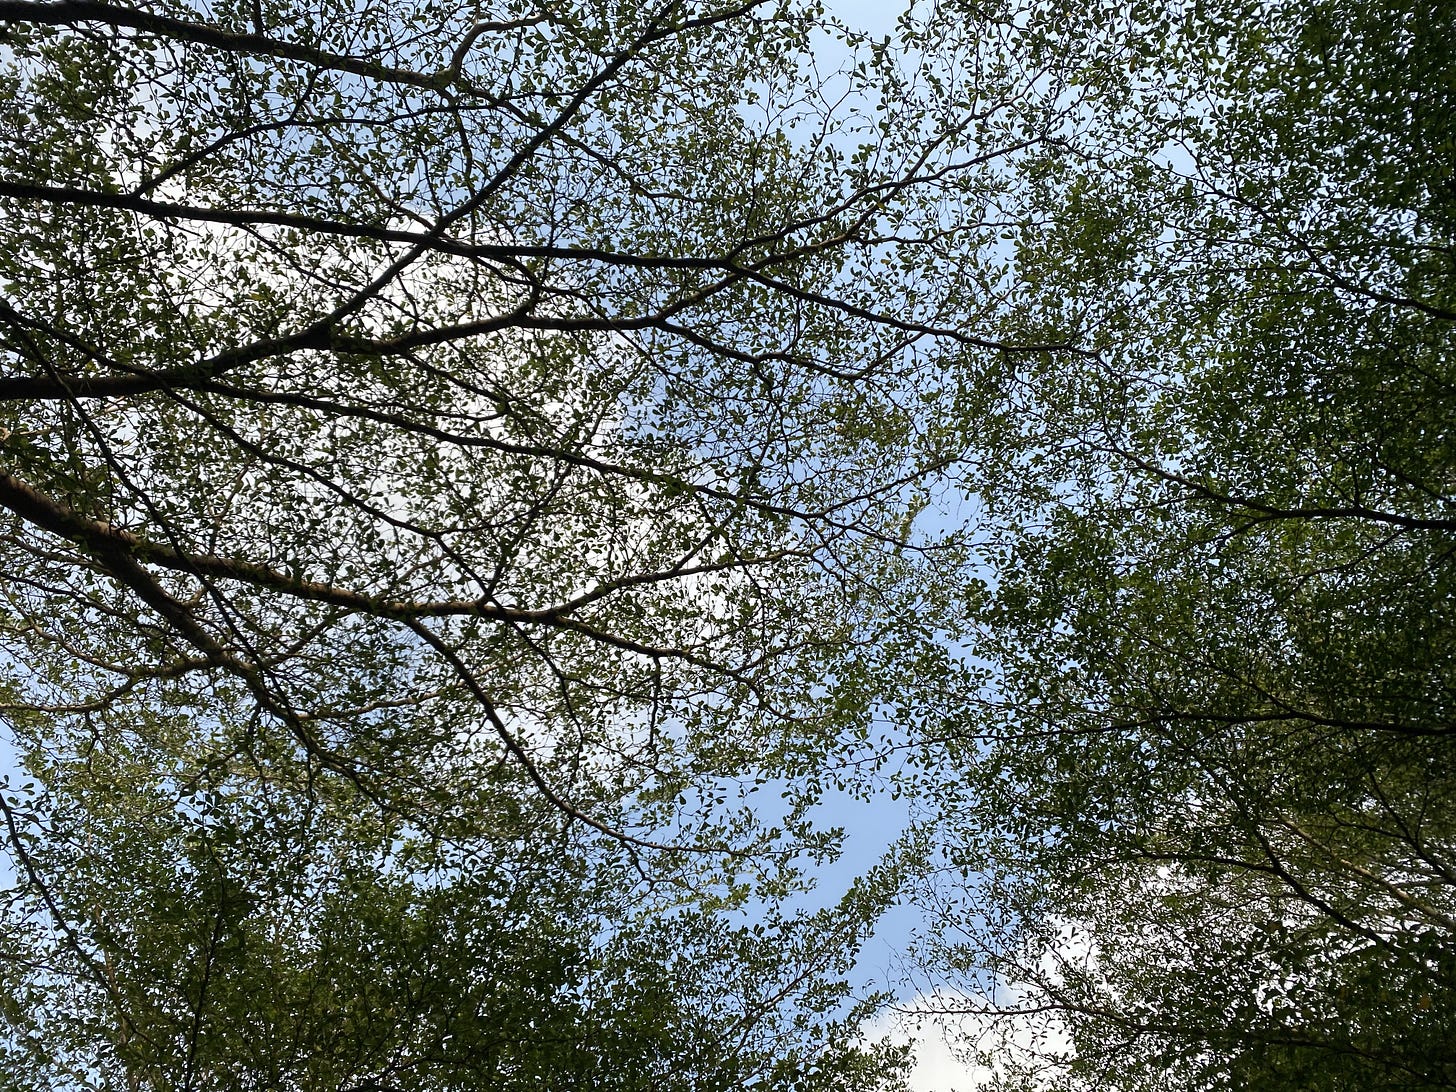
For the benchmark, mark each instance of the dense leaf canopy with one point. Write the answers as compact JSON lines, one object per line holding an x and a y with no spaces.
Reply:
{"x":473,"y":483}
{"x":1214,"y":779}
{"x":451,"y":459}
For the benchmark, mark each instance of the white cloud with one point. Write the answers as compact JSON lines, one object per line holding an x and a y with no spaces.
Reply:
{"x":942,"y":1038}
{"x":962,"y":1040}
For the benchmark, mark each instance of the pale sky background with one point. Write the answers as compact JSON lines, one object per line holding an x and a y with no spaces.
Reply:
{"x":871,"y":827}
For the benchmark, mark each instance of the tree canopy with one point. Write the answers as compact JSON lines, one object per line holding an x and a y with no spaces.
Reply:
{"x":453,"y":459}
{"x":1213,"y":784}
{"x":474,"y":479}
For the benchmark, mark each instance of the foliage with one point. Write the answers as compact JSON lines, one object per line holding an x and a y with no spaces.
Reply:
{"x":452,"y":457}
{"x":1212,"y":783}
{"x":456,"y":464}
{"x":245,"y":936}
